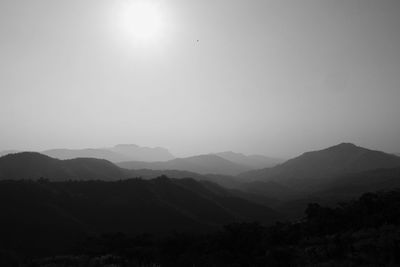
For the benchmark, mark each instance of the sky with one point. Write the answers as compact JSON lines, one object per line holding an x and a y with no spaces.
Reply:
{"x":259,"y":77}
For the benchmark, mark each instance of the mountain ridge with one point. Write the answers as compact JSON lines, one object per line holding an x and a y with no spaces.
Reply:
{"x":313,"y":167}
{"x":202,"y":164}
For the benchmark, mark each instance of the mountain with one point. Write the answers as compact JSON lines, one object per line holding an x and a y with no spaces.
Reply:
{"x":49,"y":216}
{"x":117,"y":153}
{"x":254,"y":161}
{"x":33,"y":165}
{"x":202,"y":164}
{"x":315,"y":168}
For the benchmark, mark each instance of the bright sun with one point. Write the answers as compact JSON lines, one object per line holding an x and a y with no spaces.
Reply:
{"x":142,"y":21}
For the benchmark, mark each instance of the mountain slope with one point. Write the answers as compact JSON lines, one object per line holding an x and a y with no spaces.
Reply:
{"x":316,"y":167}
{"x":49,"y":215}
{"x":202,"y":164}
{"x":32,"y":165}
{"x":254,"y":161}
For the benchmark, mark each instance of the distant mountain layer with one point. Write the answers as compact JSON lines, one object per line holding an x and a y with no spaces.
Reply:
{"x":54,"y":215}
{"x":254,"y":161}
{"x":117,"y":153}
{"x":202,"y":164}
{"x":32,"y":165}
{"x":315,"y":168}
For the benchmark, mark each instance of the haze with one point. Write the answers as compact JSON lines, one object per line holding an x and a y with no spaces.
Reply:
{"x":267,"y":77}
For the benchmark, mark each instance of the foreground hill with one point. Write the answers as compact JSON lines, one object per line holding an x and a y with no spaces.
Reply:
{"x":117,"y":153}
{"x":202,"y":164}
{"x":316,"y":167}
{"x":363,"y":232}
{"x":32,"y":165}
{"x":49,"y":216}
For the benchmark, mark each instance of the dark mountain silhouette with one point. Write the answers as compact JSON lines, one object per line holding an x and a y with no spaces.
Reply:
{"x":33,"y":165}
{"x":117,"y":153}
{"x":254,"y":161}
{"x":49,"y":216}
{"x":202,"y":164}
{"x":317,"y":167}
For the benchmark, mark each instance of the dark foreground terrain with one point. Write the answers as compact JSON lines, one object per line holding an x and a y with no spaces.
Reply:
{"x":363,"y":232}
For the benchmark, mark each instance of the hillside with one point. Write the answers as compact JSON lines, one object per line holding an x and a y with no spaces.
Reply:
{"x":202,"y":164}
{"x":315,"y":168}
{"x":48,"y":216}
{"x":362,"y":232}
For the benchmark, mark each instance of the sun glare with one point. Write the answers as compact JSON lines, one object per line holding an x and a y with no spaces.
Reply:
{"x":142,"y":21}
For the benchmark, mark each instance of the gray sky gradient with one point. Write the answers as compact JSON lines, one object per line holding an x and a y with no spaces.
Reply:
{"x":272,"y":77}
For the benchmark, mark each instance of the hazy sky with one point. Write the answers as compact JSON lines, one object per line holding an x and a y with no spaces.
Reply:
{"x":255,"y":76}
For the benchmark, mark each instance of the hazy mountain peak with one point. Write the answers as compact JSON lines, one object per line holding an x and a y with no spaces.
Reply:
{"x":315,"y":166}
{"x":345,"y":146}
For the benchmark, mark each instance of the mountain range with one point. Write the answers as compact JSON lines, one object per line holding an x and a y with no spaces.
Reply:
{"x":135,"y":157}
{"x":202,"y":164}
{"x":50,"y":204}
{"x":117,"y":153}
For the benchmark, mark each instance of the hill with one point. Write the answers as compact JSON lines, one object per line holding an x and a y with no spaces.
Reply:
{"x":40,"y":217}
{"x":202,"y":164}
{"x":313,"y":169}
{"x":33,"y":165}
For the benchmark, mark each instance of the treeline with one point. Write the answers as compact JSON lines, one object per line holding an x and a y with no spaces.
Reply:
{"x":364,"y":232}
